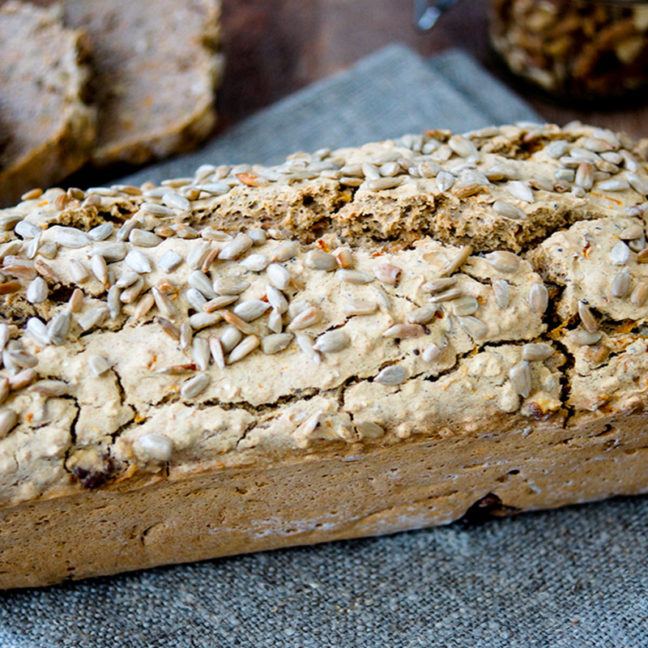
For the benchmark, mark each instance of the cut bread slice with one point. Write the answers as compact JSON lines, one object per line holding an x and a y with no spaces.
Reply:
{"x":46,"y":128}
{"x":155,"y":68}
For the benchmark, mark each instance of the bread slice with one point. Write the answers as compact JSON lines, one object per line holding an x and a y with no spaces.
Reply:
{"x":46,"y":128}
{"x":354,"y":342}
{"x":156,"y":63}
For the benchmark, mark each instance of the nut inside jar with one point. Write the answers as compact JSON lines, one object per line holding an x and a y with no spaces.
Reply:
{"x":576,"y":48}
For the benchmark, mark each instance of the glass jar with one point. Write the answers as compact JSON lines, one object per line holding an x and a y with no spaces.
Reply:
{"x":574,"y":48}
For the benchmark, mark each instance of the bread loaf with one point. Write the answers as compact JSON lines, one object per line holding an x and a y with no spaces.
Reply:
{"x":354,"y":342}
{"x":46,"y":128}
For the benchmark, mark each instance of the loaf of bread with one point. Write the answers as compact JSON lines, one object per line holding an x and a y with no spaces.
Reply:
{"x":353,"y":342}
{"x":46,"y":128}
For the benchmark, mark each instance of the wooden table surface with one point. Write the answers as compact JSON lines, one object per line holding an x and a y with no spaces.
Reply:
{"x":274,"y":47}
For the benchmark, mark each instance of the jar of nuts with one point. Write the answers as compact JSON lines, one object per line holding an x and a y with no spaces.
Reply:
{"x":574,"y":48}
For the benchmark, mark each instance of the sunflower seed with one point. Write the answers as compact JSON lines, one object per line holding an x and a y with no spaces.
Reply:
{"x":243,"y":349}
{"x":194,"y":386}
{"x":344,"y":258}
{"x":130,"y":294}
{"x":306,"y":318}
{"x":136,"y":261}
{"x":615,"y":184}
{"x":230,"y":286}
{"x":98,"y":365}
{"x":502,"y":292}
{"x":404,"y":331}
{"x":585,"y":175}
{"x":444,"y":181}
{"x":587,"y":318}
{"x":27,"y":230}
{"x":452,"y":266}
{"x":640,"y":294}
{"x":163,"y":303}
{"x":392,"y":375}
{"x":520,"y":377}
{"x":508,"y":210}
{"x":503,"y":261}
{"x":69,"y":237}
{"x":144,"y":238}
{"x":381,"y":184}
{"x":275,"y":321}
{"x":276,"y":342}
{"x":422,"y":315}
{"x":432,"y":353}
{"x":388,"y":273}
{"x":581,"y":337}
{"x":255,"y":262}
{"x":462,"y":146}
{"x":502,"y":171}
{"x":520,"y":190}
{"x":76,"y":300}
{"x":212,"y":234}
{"x":638,"y":183}
{"x":51,"y":388}
{"x":4,"y":389}
{"x":319,"y":260}
{"x":473,"y":326}
{"x":78,"y":271}
{"x":251,"y":309}
{"x":127,"y":226}
{"x":465,"y":305}
{"x":114,"y":303}
{"x":154,"y":446}
{"x":536,"y":351}
{"x":101,"y":232}
{"x":38,"y":330}
{"x":437,"y":285}
{"x":5,"y":334}
{"x":276,"y":299}
{"x":621,"y":283}
{"x":446,"y":295}
{"x":219,"y":302}
{"x":22,"y":379}
{"x":144,"y":305}
{"x":258,"y":235}
{"x":156,"y":210}
{"x":94,"y":316}
{"x":169,"y":328}
{"x":238,"y":322}
{"x":127,"y":279}
{"x":99,"y":268}
{"x":201,"y":283}
{"x":200,"y":321}
{"x":631,"y":233}
{"x":359,"y":307}
{"x":278,"y":276}
{"x":48,"y":249}
{"x":620,"y":253}
{"x":230,"y":337}
{"x":305,"y":343}
{"x":235,"y":248}
{"x":110,"y":251}
{"x":285,"y":250}
{"x":176,"y":201}
{"x":195,"y":299}
{"x":538,"y":298}
{"x":332,"y":341}
{"x":37,"y":291}
{"x":169,"y":261}
{"x":556,"y":149}
{"x":8,"y":421}
{"x":353,"y":276}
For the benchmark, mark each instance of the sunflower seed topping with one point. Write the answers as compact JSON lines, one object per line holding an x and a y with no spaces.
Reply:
{"x":620,"y":253}
{"x":640,"y":294}
{"x":8,"y":421}
{"x":631,"y":233}
{"x":538,"y":298}
{"x":51,"y":388}
{"x":176,"y":201}
{"x":621,"y":283}
{"x":276,"y":299}
{"x":422,"y":315}
{"x":285,"y":251}
{"x":130,"y":294}
{"x":536,"y":351}
{"x":38,"y":330}
{"x":587,"y":318}
{"x":387,"y":273}
{"x":332,"y":341}
{"x":154,"y":446}
{"x":98,"y":365}
{"x":465,"y":305}
{"x":69,"y":237}
{"x":614,"y":184}
{"x":255,"y":262}
{"x":392,"y":375}
{"x":143,"y":238}
{"x":278,"y":276}
{"x":432,"y":352}
{"x":508,"y":210}
{"x":58,"y":327}
{"x":308,"y":317}
{"x":194,"y":386}
{"x":37,"y":291}
{"x":200,"y":321}
{"x":163,"y":303}
{"x":275,"y":342}
{"x":446,"y":295}
{"x":136,"y":261}
{"x":275,"y":321}
{"x":110,"y":251}
{"x":359,"y":307}
{"x":201,"y":283}
{"x":200,"y":353}
{"x":238,"y":322}
{"x":581,"y":337}
{"x":251,"y":309}
{"x":22,"y":379}
{"x":404,"y":331}
{"x":380,"y":184}
{"x":520,"y":377}
{"x":473,"y":326}
{"x":452,"y":266}
{"x":444,"y":181}
{"x":219,"y":302}
{"x":244,"y":348}
{"x":195,"y":299}
{"x":235,"y":248}
{"x":319,"y":260}
{"x":230,"y":286}
{"x":503,"y":261}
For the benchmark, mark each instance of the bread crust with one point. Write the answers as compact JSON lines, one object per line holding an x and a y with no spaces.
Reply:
{"x":353,"y":342}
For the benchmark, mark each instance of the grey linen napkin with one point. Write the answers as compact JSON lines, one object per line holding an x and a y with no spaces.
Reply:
{"x":573,"y":578}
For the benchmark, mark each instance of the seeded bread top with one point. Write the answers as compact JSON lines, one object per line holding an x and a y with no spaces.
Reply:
{"x":46,"y":129}
{"x":435,"y":285}
{"x":155,"y":67}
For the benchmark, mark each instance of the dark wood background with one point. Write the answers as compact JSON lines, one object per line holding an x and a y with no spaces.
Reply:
{"x":274,"y":47}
